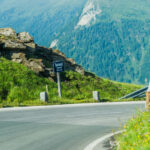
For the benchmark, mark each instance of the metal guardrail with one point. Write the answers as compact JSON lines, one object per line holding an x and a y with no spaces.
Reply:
{"x":143,"y":95}
{"x":138,"y":93}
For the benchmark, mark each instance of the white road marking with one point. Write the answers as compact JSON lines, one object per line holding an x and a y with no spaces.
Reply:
{"x":69,"y":105}
{"x":92,"y":145}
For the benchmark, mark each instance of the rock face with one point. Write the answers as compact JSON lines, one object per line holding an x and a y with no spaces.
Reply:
{"x":14,"y":45}
{"x":25,"y":37}
{"x":7,"y":32}
{"x":34,"y":64}
{"x":21,"y":48}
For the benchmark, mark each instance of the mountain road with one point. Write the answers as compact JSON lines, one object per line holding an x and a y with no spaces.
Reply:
{"x":66,"y":127}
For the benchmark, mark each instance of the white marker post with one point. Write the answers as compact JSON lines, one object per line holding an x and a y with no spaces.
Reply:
{"x":59,"y":67}
{"x":59,"y":84}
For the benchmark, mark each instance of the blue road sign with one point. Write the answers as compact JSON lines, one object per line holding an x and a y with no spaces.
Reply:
{"x":58,"y":66}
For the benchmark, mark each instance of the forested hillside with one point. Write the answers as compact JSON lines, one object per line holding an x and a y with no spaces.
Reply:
{"x":108,"y":37}
{"x":116,"y":50}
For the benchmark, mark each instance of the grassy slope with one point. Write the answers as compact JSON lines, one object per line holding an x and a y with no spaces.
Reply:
{"x":137,"y":134}
{"x":21,"y":86}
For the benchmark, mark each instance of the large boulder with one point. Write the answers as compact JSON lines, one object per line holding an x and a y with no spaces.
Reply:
{"x":25,"y":37}
{"x":8,"y":32}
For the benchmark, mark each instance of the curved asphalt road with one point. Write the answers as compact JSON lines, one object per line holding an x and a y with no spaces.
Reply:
{"x":70,"y":127}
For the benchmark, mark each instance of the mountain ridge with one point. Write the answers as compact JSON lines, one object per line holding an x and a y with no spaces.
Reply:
{"x":114,"y":43}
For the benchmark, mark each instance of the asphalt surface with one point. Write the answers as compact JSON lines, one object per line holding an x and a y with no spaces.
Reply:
{"x":70,"y":127}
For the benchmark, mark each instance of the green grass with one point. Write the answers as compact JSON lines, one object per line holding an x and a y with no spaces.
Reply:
{"x":20,"y":86}
{"x":137,"y":133}
{"x":81,"y":87}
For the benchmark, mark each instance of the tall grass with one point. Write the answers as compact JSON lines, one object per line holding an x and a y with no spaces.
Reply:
{"x":137,"y":134}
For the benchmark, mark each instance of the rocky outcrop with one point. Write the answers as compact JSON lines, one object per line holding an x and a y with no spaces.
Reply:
{"x":9,"y":44}
{"x":25,"y":37}
{"x":21,"y":48}
{"x":7,"y":32}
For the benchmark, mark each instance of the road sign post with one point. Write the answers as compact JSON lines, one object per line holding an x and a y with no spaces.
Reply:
{"x":59,"y":67}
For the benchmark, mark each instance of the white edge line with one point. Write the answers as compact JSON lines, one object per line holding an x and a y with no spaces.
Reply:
{"x":68,"y":105}
{"x":92,"y":145}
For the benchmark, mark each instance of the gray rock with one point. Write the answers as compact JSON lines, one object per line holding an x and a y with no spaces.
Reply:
{"x":36,"y":65}
{"x":79,"y":69}
{"x":19,"y":57}
{"x":25,"y":37}
{"x":14,"y":45}
{"x":8,"y":32}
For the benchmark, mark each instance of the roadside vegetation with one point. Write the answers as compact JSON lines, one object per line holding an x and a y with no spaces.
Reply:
{"x":137,"y":133}
{"x":19,"y":86}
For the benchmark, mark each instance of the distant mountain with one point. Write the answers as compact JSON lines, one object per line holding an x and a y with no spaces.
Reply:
{"x":43,"y":19}
{"x":108,"y":37}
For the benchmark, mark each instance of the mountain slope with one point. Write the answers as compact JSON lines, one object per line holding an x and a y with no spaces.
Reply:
{"x":117,"y":53}
{"x":108,"y":37}
{"x":43,"y":19}
{"x":116,"y":45}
